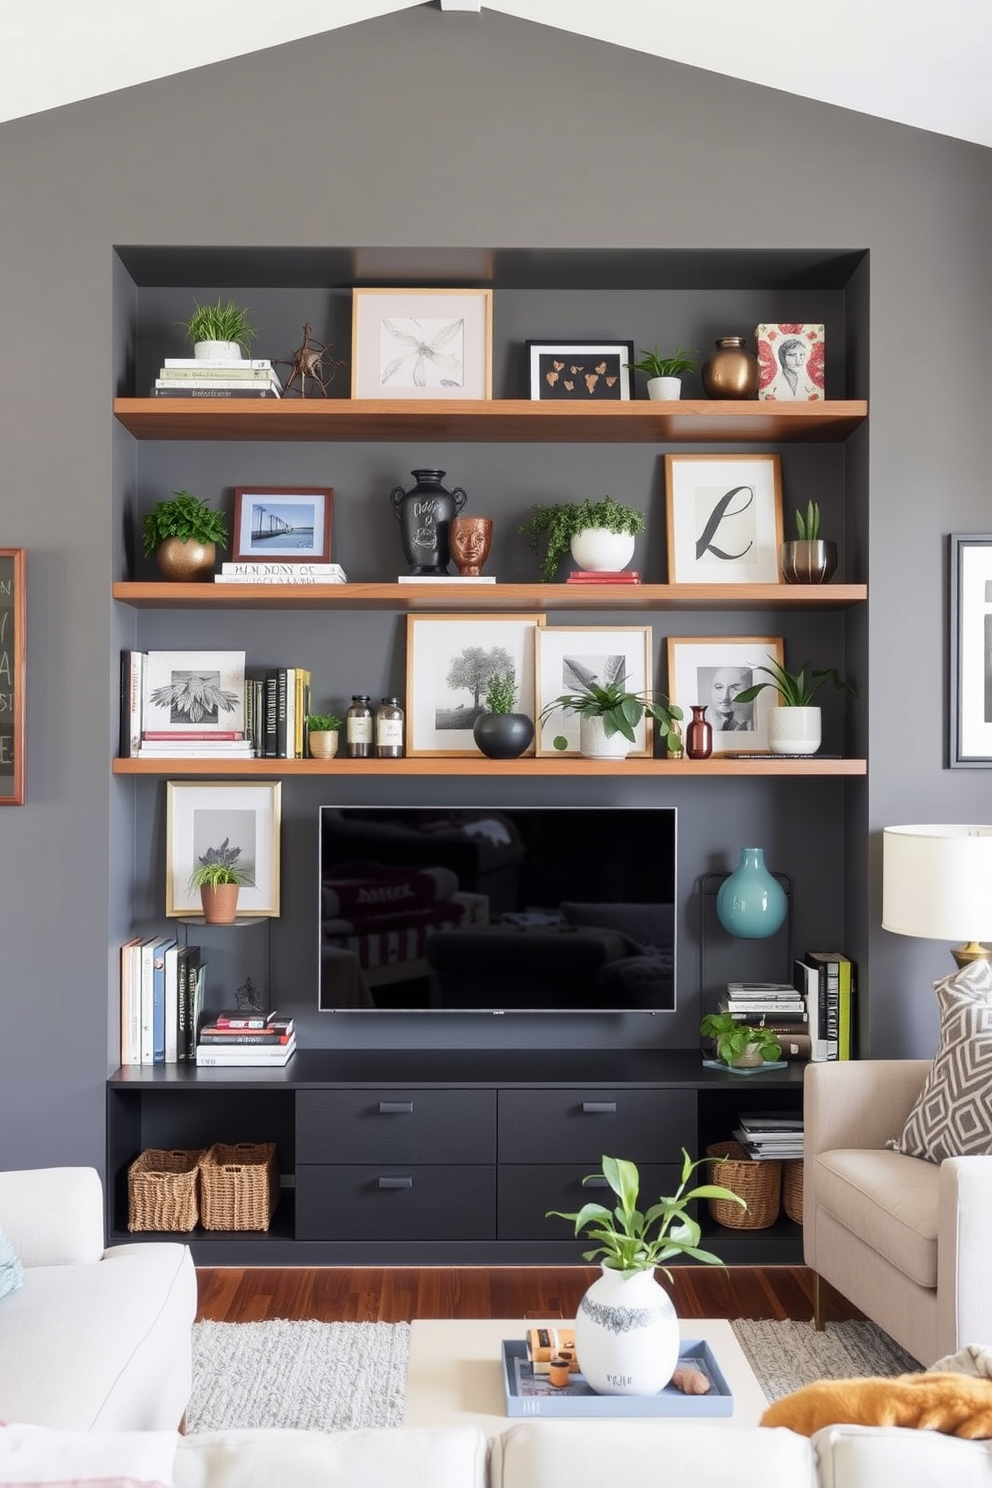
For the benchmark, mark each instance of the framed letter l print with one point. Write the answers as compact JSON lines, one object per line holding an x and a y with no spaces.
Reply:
{"x":723,"y":519}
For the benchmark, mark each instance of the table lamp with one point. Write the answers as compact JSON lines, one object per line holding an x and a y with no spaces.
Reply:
{"x":937,"y":884}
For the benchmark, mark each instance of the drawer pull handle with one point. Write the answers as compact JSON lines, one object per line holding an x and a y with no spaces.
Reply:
{"x":597,"y":1107}
{"x":395,"y":1182}
{"x":597,"y":1181}
{"x":395,"y":1108}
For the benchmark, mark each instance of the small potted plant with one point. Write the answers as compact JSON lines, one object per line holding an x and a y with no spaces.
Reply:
{"x":609,"y":714}
{"x":664,"y":374}
{"x":599,"y":534}
{"x":218,"y":883}
{"x":500,"y":732}
{"x":184,"y":535}
{"x":322,"y":735}
{"x":809,"y":558}
{"x":794,"y":728}
{"x":220,"y":332}
{"x":738,"y":1044}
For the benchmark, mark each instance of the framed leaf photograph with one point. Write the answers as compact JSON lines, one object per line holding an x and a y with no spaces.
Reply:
{"x":712,"y":671}
{"x":723,"y":519}
{"x":422,"y":343}
{"x":569,"y":657}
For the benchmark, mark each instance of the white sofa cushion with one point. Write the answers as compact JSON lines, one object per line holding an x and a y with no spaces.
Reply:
{"x":871,"y":1456}
{"x":53,"y":1216}
{"x":33,"y":1455}
{"x":413,"y":1457}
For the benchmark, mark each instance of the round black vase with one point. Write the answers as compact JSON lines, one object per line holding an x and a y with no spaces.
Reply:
{"x":503,"y":735}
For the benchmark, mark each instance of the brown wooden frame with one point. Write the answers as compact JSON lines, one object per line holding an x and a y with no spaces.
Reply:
{"x":13,"y":671}
{"x":419,"y":699}
{"x":680,"y":520}
{"x":321,"y":551}
{"x":722,"y":651}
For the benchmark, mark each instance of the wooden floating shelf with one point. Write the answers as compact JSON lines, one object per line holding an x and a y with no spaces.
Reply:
{"x":689,"y":421}
{"x":464,"y":765}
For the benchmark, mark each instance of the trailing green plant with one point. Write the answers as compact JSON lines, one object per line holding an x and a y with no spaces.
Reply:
{"x":323,"y":723}
{"x":656,"y":365}
{"x":501,"y":692}
{"x":620,"y":710}
{"x":733,"y":1039}
{"x":559,"y":523}
{"x":796,"y":689}
{"x":216,"y":875}
{"x":220,"y":322}
{"x":808,"y":526}
{"x":185,"y":516}
{"x":623,"y":1235}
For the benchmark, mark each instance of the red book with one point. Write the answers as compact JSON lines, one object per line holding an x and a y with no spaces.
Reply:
{"x":166,"y":734}
{"x":611,"y":576}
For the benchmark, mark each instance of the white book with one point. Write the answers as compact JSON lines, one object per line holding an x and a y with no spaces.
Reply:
{"x":244,"y":1056}
{"x":172,"y":1003}
{"x":223,"y":578}
{"x":237,"y":385}
{"x":211,"y":374}
{"x":251,"y":365}
{"x":445,"y":579}
{"x":272,"y":566}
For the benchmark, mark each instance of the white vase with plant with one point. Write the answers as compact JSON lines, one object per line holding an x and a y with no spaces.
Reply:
{"x":220,"y":332}
{"x":795,"y":727}
{"x":664,"y":374}
{"x":599,"y":535}
{"x":609,"y":716}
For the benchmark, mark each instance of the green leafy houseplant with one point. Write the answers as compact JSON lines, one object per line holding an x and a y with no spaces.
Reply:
{"x":655,"y":365}
{"x":796,"y":689}
{"x":184,"y":516}
{"x":559,"y":523}
{"x":628,"y":1239}
{"x":734,"y":1039}
{"x":323,"y":723}
{"x":808,"y":526}
{"x":501,"y":692}
{"x":214,"y":875}
{"x":620,"y":710}
{"x":220,"y":322}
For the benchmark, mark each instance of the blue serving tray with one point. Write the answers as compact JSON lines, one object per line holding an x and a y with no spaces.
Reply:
{"x":527,"y":1395}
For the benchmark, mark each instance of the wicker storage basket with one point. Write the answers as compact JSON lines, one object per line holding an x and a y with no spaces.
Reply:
{"x":759,"y":1184}
{"x":792,"y":1189}
{"x":163,"y":1190}
{"x":239,"y":1186}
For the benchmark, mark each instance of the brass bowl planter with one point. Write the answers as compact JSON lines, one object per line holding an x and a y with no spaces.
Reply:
{"x":809,"y":562}
{"x":184,"y":561}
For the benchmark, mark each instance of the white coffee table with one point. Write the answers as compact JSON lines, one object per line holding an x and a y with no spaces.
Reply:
{"x":455,"y":1375}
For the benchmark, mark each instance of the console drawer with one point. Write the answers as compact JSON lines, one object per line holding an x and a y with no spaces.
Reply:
{"x":526,"y":1192}
{"x":546,"y":1126}
{"x":414,"y":1125}
{"x":338,"y":1202}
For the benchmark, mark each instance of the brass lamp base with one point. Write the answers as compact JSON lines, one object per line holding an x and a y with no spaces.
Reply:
{"x":973,"y":951}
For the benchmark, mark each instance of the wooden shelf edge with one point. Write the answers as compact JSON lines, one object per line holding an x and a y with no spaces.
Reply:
{"x":477,"y":766}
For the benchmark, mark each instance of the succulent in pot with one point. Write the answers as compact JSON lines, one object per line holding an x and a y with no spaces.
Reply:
{"x":794,"y":728}
{"x":665,"y":374}
{"x":738,"y":1043}
{"x":219,"y":883}
{"x":808,"y":558}
{"x":221,"y":331}
{"x":322,"y":735}
{"x":599,"y":534}
{"x":609,"y":715}
{"x":184,"y":535}
{"x":500,"y":732}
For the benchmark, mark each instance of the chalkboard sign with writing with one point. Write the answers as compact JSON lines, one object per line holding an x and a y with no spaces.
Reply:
{"x":13,"y":614}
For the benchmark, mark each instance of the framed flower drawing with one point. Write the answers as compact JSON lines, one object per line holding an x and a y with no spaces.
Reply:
{"x":422,"y":343}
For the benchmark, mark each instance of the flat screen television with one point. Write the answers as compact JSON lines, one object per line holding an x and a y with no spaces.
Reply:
{"x":497,"y":909}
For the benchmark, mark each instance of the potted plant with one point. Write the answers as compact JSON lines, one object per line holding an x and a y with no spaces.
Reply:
{"x":184,"y":535}
{"x":609,"y":714}
{"x":664,"y":374}
{"x":794,"y":728}
{"x":218,"y":883}
{"x":322,"y":735}
{"x":739,"y":1044}
{"x":500,"y":732}
{"x":220,"y":332}
{"x":599,"y":534}
{"x":626,"y":1329}
{"x":808,"y":558}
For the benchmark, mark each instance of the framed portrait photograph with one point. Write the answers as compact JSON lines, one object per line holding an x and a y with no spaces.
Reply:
{"x":422,"y":343}
{"x":223,"y":821}
{"x":13,"y":674}
{"x":790,"y":362}
{"x":723,"y":519}
{"x":712,"y":671}
{"x":580,"y":371}
{"x":193,"y":692}
{"x":569,"y":657}
{"x":969,"y":713}
{"x":449,"y":661}
{"x":291,"y":524}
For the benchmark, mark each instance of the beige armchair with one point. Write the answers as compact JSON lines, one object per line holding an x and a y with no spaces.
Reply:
{"x":907,"y":1241}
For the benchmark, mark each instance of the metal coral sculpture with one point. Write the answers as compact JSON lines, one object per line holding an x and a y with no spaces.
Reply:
{"x":311,"y":359}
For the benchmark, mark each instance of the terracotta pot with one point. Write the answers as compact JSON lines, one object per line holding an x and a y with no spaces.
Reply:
{"x":184,"y":561}
{"x":220,"y":903}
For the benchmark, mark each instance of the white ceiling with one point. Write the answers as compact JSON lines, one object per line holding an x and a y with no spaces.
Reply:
{"x":920,"y":62}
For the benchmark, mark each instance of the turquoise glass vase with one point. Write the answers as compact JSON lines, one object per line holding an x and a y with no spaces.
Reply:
{"x":751,"y":903}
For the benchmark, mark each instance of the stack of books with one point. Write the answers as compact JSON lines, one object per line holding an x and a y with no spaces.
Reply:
{"x":776,"y":1006}
{"x":251,"y":572}
{"x":244,"y":1039}
{"x":162,"y":984}
{"x":827,"y":979}
{"x":277,"y":703}
{"x":183,"y":705}
{"x":185,"y":377}
{"x":770,"y":1134}
{"x":604,"y":576}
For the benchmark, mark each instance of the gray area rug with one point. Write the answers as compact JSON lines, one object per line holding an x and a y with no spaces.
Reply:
{"x":334,"y":1376}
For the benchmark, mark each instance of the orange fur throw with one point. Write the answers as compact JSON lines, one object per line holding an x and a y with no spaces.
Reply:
{"x":952,"y":1403}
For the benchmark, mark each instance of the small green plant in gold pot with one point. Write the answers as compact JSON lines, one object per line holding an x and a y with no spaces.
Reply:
{"x":184,"y":534}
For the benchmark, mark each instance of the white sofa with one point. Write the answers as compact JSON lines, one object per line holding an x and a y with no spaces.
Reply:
{"x":95,"y":1339}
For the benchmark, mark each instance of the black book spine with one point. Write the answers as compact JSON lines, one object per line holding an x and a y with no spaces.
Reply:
{"x":271,"y":700}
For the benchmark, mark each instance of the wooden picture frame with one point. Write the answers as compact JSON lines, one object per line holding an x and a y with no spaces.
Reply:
{"x":969,"y":692}
{"x":443,"y":695}
{"x":580,"y":371}
{"x":709,"y":669}
{"x":568,"y":655}
{"x":241,"y":818}
{"x":282,"y":524}
{"x":13,"y":674}
{"x":724,"y":518}
{"x":422,"y":343}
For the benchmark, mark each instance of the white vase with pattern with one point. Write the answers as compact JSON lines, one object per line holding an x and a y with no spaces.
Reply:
{"x":627,"y":1334}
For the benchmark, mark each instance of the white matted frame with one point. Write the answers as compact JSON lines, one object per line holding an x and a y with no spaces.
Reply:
{"x":449,"y":660}
{"x":283,"y":524}
{"x":241,"y":822}
{"x":580,"y":371}
{"x":711,"y":670}
{"x":422,"y":343}
{"x":724,"y":519}
{"x":570,"y":656}
{"x":201,"y":692}
{"x":969,"y":734}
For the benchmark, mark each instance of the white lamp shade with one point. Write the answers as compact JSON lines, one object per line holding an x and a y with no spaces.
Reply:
{"x":937,"y":881}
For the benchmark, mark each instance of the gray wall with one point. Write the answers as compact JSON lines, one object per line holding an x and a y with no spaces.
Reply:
{"x":428,"y":129}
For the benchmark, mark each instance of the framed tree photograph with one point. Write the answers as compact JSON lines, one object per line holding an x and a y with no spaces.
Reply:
{"x":199,"y":693}
{"x":569,"y":657}
{"x":219,"y":821}
{"x":969,"y":733}
{"x":291,"y":524}
{"x":13,"y":674}
{"x":580,"y":371}
{"x":449,"y":662}
{"x":422,"y":343}
{"x":723,"y":519}
{"x":711,"y":671}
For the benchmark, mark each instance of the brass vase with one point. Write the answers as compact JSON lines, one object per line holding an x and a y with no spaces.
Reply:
{"x":805,"y":562}
{"x":731,"y":371}
{"x":184,"y":561}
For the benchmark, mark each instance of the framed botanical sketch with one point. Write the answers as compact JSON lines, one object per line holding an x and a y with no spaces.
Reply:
{"x":288,"y":523}
{"x":569,"y":657}
{"x":580,"y":371}
{"x":223,"y":821}
{"x":13,"y":674}
{"x":712,"y":671}
{"x":969,"y":713}
{"x":723,"y":519}
{"x":449,"y":661}
{"x":193,"y":693}
{"x":422,"y":343}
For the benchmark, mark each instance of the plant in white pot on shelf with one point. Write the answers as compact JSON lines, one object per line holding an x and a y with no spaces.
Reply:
{"x":598,"y":534}
{"x":626,"y":1328}
{"x":795,"y":727}
{"x":609,"y":716}
{"x":738,"y":1044}
{"x":665,"y":374}
{"x":220,"y":332}
{"x":808,"y":558}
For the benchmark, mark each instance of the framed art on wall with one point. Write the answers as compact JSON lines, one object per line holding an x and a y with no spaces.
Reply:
{"x":712,"y":671}
{"x":580,"y":371}
{"x":790,"y":363}
{"x":723,"y":519}
{"x":569,"y":657}
{"x":223,"y":821}
{"x":422,"y":343}
{"x":969,"y":733}
{"x":193,"y":692}
{"x":288,"y":523}
{"x":449,"y":661}
{"x":13,"y":674}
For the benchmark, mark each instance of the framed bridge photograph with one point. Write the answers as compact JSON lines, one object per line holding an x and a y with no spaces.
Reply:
{"x":285,"y":524}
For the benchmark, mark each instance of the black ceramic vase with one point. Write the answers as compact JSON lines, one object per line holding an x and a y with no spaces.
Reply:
{"x":503,"y":735}
{"x":424,"y":514}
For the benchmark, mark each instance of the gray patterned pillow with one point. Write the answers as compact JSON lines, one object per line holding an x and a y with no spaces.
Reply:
{"x":952,"y":1116}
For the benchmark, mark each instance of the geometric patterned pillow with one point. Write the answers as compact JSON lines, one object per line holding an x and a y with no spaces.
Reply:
{"x":952,"y":1116}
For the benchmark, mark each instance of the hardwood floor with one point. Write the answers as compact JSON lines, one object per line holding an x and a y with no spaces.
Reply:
{"x":401,"y":1294}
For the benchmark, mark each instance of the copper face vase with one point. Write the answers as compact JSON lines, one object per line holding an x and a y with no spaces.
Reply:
{"x":470,"y":539}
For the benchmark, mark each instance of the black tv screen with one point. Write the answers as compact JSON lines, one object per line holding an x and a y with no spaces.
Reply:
{"x":497,"y":910}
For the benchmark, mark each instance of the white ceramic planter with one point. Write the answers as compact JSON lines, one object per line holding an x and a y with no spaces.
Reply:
{"x":664,"y":389}
{"x":627,"y":1334}
{"x":793,"y":730}
{"x":596,"y":549}
{"x":219,"y":351}
{"x":593,"y":743}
